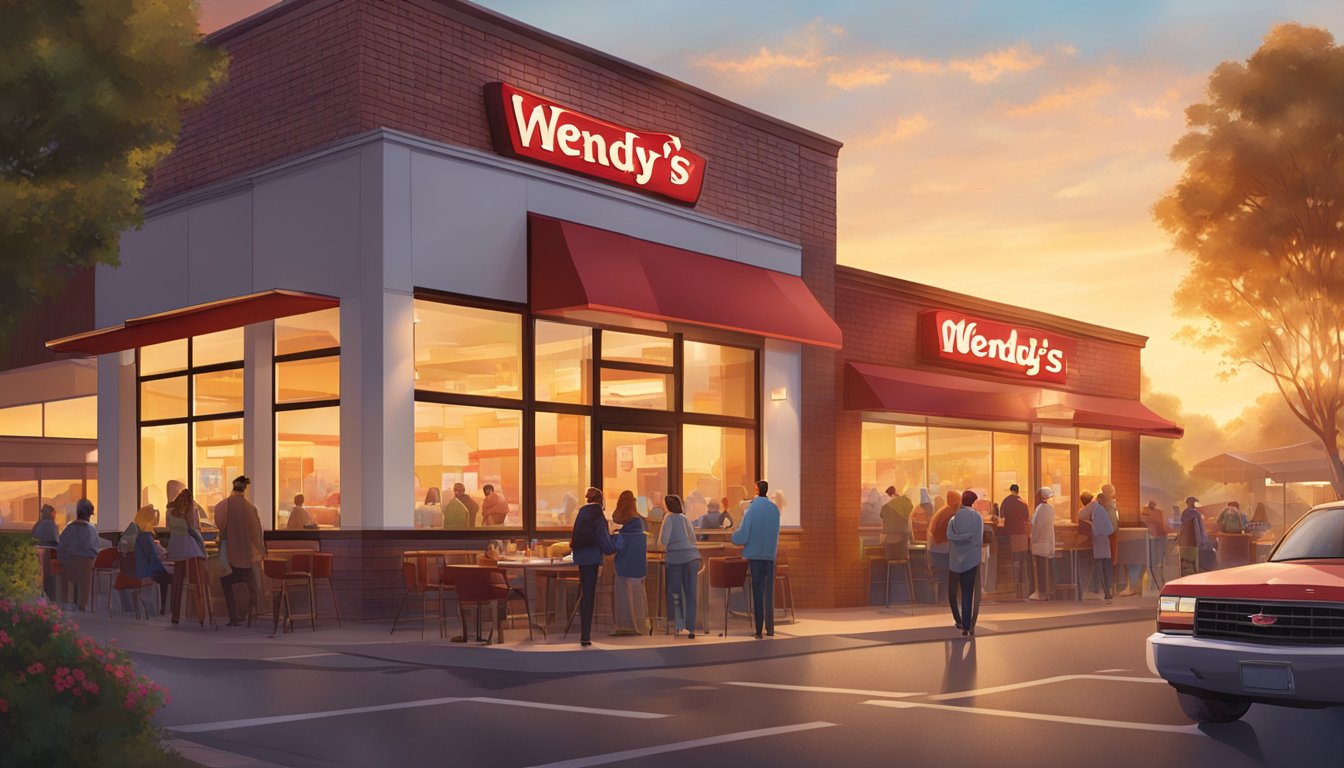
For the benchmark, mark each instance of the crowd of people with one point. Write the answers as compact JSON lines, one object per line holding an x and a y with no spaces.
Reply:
{"x":594,"y":537}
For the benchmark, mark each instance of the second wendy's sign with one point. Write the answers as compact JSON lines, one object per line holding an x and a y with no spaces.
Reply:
{"x":969,"y":342}
{"x":534,"y":128}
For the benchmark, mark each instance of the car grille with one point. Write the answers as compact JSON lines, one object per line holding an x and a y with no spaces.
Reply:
{"x":1299,"y":622}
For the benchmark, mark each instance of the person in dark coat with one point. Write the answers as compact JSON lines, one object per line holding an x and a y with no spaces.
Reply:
{"x":631,"y":603}
{"x":590,"y":541}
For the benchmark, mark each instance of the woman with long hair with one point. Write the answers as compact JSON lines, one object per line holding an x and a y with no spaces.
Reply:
{"x":682,"y":563}
{"x":186,"y":548}
{"x":632,"y":605}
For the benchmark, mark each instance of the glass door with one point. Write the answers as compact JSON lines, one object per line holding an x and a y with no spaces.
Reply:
{"x":636,"y":460}
{"x":1057,"y":469}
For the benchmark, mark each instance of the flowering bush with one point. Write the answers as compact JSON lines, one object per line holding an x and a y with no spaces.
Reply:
{"x":67,"y":700}
{"x":20,"y":574}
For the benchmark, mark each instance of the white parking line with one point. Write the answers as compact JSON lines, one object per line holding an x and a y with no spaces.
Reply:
{"x":1043,"y":681}
{"x":1190,"y":730}
{"x":252,"y":722}
{"x":631,"y":754}
{"x":300,"y":656}
{"x":822,"y":689}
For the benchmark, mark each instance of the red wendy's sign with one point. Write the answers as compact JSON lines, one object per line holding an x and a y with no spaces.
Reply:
{"x":530,"y":127}
{"x":974,"y":343}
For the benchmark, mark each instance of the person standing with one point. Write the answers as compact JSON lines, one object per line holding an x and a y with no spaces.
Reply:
{"x":590,"y":541}
{"x":1043,"y":544}
{"x":966,"y":535}
{"x":939,"y":548}
{"x":919,"y":518}
{"x":759,"y":538}
{"x":494,"y":508}
{"x":1102,"y":529}
{"x":1193,"y":540}
{"x":240,"y":536}
{"x":76,"y":549}
{"x":681,"y":559}
{"x":186,"y":550}
{"x":896,"y":524}
{"x":1156,"y":522}
{"x":1231,"y":519}
{"x":44,"y":530}
{"x":1018,"y":527}
{"x":631,"y":602}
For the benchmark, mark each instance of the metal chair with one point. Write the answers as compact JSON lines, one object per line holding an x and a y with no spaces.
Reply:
{"x":784,"y":588}
{"x":479,"y":586}
{"x":415,"y":584}
{"x":106,"y":566}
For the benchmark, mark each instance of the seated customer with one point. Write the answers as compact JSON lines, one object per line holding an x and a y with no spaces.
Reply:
{"x":714,"y":517}
{"x":44,"y":530}
{"x":149,"y":554}
{"x":299,"y":518}
{"x":460,"y":511}
{"x":76,"y":549}
{"x":495,"y":508}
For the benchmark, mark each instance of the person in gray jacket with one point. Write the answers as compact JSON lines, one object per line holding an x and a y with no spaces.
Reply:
{"x":682,"y":563}
{"x":44,"y":530}
{"x":965,"y":537}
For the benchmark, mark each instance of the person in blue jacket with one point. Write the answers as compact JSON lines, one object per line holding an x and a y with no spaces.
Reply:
{"x":590,"y":541}
{"x":148,"y":557}
{"x":631,"y":603}
{"x":759,"y":538}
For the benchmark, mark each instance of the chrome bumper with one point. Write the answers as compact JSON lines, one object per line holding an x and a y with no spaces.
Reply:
{"x":1287,"y":674}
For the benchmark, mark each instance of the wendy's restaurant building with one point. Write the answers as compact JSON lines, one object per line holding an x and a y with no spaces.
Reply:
{"x":412,"y":244}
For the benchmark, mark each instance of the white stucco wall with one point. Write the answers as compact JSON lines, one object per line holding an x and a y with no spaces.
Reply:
{"x":782,"y":422}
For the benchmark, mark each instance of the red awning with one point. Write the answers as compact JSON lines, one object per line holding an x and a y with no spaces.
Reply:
{"x":194,"y":321}
{"x":577,"y":267}
{"x":905,"y":390}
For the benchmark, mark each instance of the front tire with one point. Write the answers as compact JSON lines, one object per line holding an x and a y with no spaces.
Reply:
{"x":1207,"y":709}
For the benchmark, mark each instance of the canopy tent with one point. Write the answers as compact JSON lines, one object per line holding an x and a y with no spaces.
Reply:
{"x":1301,"y":463}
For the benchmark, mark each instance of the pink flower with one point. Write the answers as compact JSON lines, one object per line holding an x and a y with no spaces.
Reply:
{"x":4,"y":706}
{"x":36,"y":668}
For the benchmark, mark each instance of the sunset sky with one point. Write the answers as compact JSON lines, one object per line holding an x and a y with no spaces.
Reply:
{"x":1003,"y":149}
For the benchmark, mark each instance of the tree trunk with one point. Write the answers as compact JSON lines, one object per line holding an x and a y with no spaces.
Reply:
{"x":1336,"y":472}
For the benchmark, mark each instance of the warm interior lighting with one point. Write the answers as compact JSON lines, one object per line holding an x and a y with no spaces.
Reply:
{"x":779,"y":393}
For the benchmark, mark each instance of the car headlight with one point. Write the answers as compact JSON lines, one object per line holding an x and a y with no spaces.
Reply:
{"x":1176,"y":604}
{"x":1175,"y":614}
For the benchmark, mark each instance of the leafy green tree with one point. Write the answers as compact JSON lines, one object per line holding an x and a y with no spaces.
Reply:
{"x":90,"y":97}
{"x":1260,"y":211}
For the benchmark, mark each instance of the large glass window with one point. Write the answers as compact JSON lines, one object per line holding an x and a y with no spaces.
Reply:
{"x":308,"y":417}
{"x":75,"y":418}
{"x":308,"y":461}
{"x":564,"y":363}
{"x":468,"y":351}
{"x":21,"y":420}
{"x":620,"y":347}
{"x":478,"y":447}
{"x":18,"y":495}
{"x":1010,"y":465}
{"x":718,"y":464}
{"x":191,"y":415}
{"x":562,"y":467}
{"x":893,"y":455}
{"x":635,"y":462}
{"x":959,"y":460}
{"x":637,"y":389}
{"x":719,"y":380}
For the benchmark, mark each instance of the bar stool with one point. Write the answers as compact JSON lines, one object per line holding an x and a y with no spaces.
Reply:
{"x":728,"y":574}
{"x":196,"y":582}
{"x":105,"y":567}
{"x":281,"y":576}
{"x":898,"y":554}
{"x":126,"y":579}
{"x":415,"y":583}
{"x":319,"y":565}
{"x":784,"y":588}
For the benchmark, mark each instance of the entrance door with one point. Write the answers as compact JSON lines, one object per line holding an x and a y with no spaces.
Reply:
{"x":1057,"y":469}
{"x":636,"y":460}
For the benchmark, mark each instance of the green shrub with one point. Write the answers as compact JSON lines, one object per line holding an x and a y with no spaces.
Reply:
{"x":20,"y":572}
{"x":67,"y":700}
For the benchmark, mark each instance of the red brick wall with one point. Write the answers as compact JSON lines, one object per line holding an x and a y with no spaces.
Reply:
{"x":67,"y":313}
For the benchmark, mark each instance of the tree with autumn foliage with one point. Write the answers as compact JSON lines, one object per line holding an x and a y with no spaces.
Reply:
{"x":1260,"y":211}
{"x":90,"y":100}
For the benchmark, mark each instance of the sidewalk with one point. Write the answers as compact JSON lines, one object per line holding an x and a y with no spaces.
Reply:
{"x":369,"y":644}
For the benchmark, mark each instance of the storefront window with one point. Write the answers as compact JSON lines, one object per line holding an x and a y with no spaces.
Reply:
{"x":1011,"y":452}
{"x":718,"y":463}
{"x":163,"y":399}
{"x":477,"y":447}
{"x":637,"y":389}
{"x":74,"y":418}
{"x":21,"y":421}
{"x":892,"y":455}
{"x":564,"y":363}
{"x":216,"y":348}
{"x":163,"y":358}
{"x":308,"y":461}
{"x":635,"y":462}
{"x":163,"y":457}
{"x":1094,"y":465}
{"x":62,"y":491}
{"x":959,"y":460}
{"x":18,"y":495}
{"x":562,"y":467}
{"x":218,"y":458}
{"x":619,"y":347}
{"x":719,"y":380}
{"x":308,"y":380}
{"x":216,"y":392}
{"x":468,"y":351}
{"x":308,"y":332}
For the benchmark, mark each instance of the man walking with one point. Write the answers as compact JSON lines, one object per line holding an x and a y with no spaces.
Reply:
{"x":965,"y":534}
{"x":240,"y":535}
{"x":758,"y":535}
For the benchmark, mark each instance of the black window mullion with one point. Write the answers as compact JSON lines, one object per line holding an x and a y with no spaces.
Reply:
{"x":310,"y":354}
{"x":528,"y":459}
{"x":622,"y":365}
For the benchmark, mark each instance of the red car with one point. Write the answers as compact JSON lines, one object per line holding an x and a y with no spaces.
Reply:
{"x":1269,"y":633}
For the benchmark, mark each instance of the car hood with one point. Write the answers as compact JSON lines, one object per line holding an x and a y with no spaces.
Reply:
{"x":1299,"y":580}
